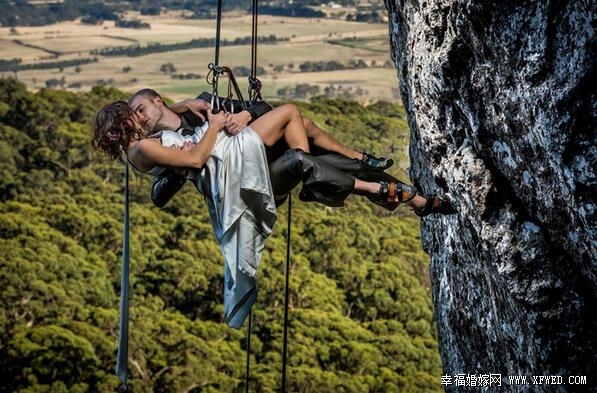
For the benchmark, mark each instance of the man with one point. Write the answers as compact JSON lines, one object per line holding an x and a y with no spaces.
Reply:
{"x":327,"y":179}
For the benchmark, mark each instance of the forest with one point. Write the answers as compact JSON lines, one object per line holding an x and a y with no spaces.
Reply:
{"x":360,"y":311}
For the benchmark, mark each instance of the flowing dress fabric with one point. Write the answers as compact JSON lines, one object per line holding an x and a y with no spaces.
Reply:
{"x":237,"y":190}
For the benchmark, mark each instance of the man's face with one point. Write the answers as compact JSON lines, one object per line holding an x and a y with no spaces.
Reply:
{"x":149,"y":112}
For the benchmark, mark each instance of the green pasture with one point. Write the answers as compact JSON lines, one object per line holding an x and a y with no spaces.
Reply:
{"x":377,"y":44}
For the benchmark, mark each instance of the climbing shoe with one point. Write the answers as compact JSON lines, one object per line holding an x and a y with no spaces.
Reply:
{"x":375,"y":162}
{"x":435,"y":205}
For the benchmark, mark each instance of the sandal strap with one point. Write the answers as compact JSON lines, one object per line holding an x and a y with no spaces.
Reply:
{"x":392,"y":196}
{"x":394,"y":192}
{"x":412,"y":195}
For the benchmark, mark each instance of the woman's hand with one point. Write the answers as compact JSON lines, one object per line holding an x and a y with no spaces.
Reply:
{"x":195,"y":105}
{"x":218,"y":120}
{"x":237,"y":121}
{"x":187,"y":145}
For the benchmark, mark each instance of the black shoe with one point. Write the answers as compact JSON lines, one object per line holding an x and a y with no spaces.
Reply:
{"x":436,"y":205}
{"x":377,"y":163}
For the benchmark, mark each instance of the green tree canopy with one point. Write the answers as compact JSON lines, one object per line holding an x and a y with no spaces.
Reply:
{"x":360,"y":310}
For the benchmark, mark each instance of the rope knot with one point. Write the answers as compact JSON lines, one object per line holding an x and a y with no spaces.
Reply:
{"x":255,"y":84}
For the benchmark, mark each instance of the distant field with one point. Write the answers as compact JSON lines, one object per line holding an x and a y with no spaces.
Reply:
{"x":72,"y":40}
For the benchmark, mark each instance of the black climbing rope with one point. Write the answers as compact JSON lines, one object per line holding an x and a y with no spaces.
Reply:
{"x":254,"y":83}
{"x":218,"y":31}
{"x":215,"y":71}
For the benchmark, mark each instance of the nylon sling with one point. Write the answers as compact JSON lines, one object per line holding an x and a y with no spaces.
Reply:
{"x":123,"y":336}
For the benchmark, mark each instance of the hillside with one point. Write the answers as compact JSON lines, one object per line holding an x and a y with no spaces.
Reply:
{"x":361,"y":318}
{"x":297,"y":57}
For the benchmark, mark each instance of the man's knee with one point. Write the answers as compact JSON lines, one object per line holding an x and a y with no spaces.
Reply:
{"x":291,"y":110}
{"x":311,"y":128}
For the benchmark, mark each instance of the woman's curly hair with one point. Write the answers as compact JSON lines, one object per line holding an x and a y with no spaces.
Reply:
{"x":113,"y":129}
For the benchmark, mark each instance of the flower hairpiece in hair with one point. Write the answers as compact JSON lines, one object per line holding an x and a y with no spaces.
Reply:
{"x":113,"y":136}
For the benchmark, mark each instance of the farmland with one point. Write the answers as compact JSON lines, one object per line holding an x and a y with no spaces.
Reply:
{"x":299,"y":40}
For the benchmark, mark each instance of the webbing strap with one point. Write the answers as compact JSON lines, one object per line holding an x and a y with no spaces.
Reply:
{"x":247,"y":371}
{"x":123,"y":339}
{"x":216,"y":70}
{"x":232,"y":84}
{"x":286,"y":296}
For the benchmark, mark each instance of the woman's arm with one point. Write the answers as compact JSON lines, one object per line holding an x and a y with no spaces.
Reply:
{"x":149,"y":153}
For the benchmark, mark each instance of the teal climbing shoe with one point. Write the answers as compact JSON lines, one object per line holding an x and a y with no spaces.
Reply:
{"x":375,"y":162}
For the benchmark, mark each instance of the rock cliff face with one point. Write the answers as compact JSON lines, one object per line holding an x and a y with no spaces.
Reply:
{"x":501,"y":101}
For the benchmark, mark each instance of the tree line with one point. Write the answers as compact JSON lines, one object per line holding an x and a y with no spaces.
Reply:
{"x":24,"y":13}
{"x":156,"y":47}
{"x":15,"y":65}
{"x":360,"y":310}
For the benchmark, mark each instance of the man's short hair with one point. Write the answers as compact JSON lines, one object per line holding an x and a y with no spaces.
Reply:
{"x":148,"y":93}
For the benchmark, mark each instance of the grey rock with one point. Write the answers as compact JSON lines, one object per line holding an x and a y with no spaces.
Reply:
{"x":502,"y":107}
